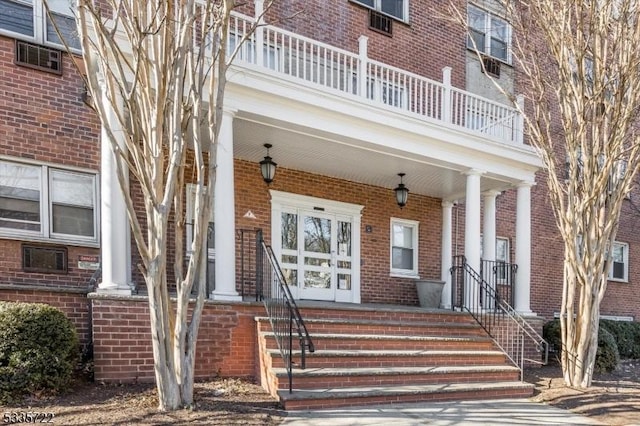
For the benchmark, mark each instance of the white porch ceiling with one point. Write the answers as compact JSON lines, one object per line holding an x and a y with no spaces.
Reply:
{"x":353,"y":160}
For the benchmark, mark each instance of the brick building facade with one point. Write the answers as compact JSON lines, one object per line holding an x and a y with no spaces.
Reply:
{"x":339,"y":146}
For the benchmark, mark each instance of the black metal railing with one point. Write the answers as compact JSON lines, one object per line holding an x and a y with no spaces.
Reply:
{"x":282,"y":310}
{"x":472,"y":293}
{"x":500,"y":276}
{"x":249,"y":244}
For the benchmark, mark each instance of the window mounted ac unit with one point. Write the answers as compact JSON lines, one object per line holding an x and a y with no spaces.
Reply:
{"x":38,"y":57}
{"x":380,"y":23}
{"x":491,"y":66}
{"x":44,"y":259}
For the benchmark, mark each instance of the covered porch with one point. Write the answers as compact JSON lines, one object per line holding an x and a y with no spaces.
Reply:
{"x":339,"y":144}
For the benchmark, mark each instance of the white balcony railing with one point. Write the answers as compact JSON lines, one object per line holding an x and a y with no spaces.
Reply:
{"x":355,"y":74}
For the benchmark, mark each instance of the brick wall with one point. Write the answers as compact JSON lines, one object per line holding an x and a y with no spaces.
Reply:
{"x":379,"y":206}
{"x":227,"y":341}
{"x":11,"y":271}
{"x":42,"y":115}
{"x":43,"y":118}
{"x":413,"y":47}
{"x":72,"y":302}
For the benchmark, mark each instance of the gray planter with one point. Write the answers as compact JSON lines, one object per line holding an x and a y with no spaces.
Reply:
{"x":429,"y":293}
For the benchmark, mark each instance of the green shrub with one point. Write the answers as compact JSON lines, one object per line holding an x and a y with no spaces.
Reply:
{"x":38,"y":349}
{"x":607,"y":357}
{"x":627,"y":336}
{"x":551,"y":333}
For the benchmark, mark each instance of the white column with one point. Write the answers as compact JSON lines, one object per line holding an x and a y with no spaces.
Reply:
{"x":114,"y":224}
{"x":225,"y":214}
{"x":522,"y":290}
{"x":489,"y":238}
{"x":446,"y":259}
{"x":489,"y":226}
{"x":472,"y":233}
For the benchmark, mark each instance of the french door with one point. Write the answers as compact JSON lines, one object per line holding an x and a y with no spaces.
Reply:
{"x":317,"y":254}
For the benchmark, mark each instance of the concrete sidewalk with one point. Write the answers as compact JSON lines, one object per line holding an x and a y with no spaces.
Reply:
{"x":496,"y":412}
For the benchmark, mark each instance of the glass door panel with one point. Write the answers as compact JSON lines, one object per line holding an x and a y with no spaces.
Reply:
{"x":289,"y":244}
{"x":343,"y":257}
{"x":318,"y":248}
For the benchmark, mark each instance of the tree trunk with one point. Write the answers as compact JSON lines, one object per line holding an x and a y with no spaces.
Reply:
{"x":168,"y":390}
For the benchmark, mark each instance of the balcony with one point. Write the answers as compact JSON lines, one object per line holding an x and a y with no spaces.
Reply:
{"x":355,"y":76}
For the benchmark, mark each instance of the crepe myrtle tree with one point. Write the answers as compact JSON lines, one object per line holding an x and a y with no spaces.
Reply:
{"x":578,"y":64}
{"x":156,"y":70}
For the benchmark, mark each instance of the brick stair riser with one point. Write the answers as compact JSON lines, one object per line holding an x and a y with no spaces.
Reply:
{"x":302,"y":382}
{"x":313,"y":361}
{"x":446,"y":317}
{"x":327,"y":403}
{"x":410,"y":330}
{"x":382,"y":344}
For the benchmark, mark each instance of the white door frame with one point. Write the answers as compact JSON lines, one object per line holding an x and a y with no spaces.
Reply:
{"x":285,"y":201}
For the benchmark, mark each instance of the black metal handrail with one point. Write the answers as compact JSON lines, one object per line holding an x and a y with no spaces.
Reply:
{"x":500,"y":276}
{"x":472,"y":293}
{"x":283,"y":313}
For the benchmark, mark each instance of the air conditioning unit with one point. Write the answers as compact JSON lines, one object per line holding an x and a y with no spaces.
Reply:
{"x":38,"y":57}
{"x":44,"y":259}
{"x":491,"y":66}
{"x":380,"y":23}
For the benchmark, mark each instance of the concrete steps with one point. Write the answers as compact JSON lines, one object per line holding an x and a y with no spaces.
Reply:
{"x":379,"y":356}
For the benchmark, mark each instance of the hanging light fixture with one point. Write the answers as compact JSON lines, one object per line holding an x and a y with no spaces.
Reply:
{"x":268,"y":166}
{"x":402,"y":192}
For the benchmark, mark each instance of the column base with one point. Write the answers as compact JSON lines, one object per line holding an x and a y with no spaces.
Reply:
{"x":227,"y":297}
{"x":119,"y":291}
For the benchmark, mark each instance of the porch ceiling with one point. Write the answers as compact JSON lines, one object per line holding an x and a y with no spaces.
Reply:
{"x":353,"y":160}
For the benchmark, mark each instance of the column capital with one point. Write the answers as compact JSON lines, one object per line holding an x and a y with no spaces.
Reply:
{"x":491,"y":193}
{"x":229,"y":111}
{"x":446,"y":204}
{"x":473,"y":172}
{"x":525,"y":183}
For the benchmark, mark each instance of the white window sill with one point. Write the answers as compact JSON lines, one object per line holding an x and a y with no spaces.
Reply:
{"x":618,"y":280}
{"x":411,"y":276}
{"x":55,"y":241}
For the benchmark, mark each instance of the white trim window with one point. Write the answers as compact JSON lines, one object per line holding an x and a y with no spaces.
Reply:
{"x":404,"y":248}
{"x":489,"y":33}
{"x":28,"y":20}
{"x":619,"y":268}
{"x":398,"y":9}
{"x":46,"y":202}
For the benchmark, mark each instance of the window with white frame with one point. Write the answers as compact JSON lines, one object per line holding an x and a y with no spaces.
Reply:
{"x":46,"y":202}
{"x":488,"y":33}
{"x":502,"y":257}
{"x":398,"y":9}
{"x":190,"y":216}
{"x":404,"y":247}
{"x":619,"y":268}
{"x":28,"y":20}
